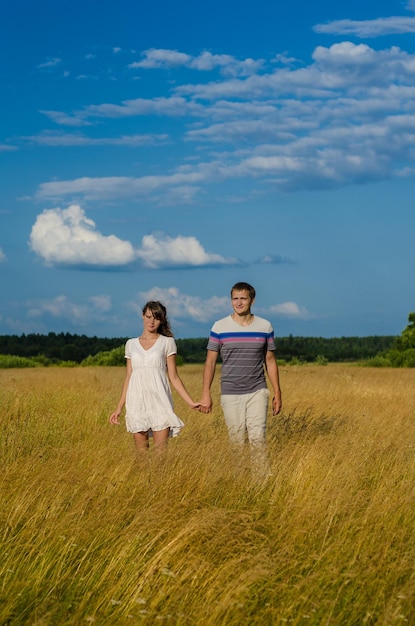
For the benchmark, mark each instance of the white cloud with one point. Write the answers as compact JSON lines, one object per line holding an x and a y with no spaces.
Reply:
{"x":68,"y":237}
{"x":50,"y":63}
{"x":326,"y":125}
{"x":370,"y":28}
{"x":118,"y":187}
{"x":66,"y":120}
{"x":342,"y":66}
{"x":175,"y":106}
{"x":206,"y":61}
{"x":101,"y":303}
{"x":241,"y":130}
{"x":3,"y":257}
{"x":158,"y":58}
{"x":274,"y":259}
{"x":178,"y":195}
{"x":48,"y":138}
{"x":63,"y":308}
{"x":183,"y":306}
{"x":5,"y":148}
{"x":164,"y":251}
{"x":289,"y":309}
{"x":336,"y":149}
{"x":284,"y":59}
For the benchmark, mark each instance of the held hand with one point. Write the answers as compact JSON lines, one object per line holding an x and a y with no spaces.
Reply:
{"x":195,"y":405}
{"x":206,"y":403}
{"x":115,"y":418}
{"x":205,"y":408}
{"x":276,"y":405}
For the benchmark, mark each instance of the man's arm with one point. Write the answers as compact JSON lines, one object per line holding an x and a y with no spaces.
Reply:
{"x":208,"y":376}
{"x":273,"y":374}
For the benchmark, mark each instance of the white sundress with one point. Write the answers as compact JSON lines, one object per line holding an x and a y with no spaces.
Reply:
{"x":149,"y":402}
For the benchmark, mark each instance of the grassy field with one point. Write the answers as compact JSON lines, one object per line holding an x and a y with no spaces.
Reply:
{"x":93,"y":534}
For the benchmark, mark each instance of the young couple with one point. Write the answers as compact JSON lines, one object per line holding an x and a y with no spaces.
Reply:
{"x":245,"y":343}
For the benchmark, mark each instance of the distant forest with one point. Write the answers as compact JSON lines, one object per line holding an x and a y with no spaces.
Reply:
{"x":67,"y":347}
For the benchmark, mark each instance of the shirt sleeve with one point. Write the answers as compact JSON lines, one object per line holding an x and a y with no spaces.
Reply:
{"x":128,"y":349}
{"x":214,"y":340}
{"x":270,"y":339}
{"x":171,"y":347}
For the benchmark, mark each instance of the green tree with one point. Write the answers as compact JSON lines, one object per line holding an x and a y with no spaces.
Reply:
{"x":407,"y":339}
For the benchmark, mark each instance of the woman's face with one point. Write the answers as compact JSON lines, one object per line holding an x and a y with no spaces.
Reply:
{"x":151,"y":324}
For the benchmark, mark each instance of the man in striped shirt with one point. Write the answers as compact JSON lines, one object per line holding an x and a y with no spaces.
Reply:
{"x":245,"y":343}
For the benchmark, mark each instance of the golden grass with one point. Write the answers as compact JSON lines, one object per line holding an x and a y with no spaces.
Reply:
{"x":93,"y":534}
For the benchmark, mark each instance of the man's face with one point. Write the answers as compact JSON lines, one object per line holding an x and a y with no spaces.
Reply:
{"x":241,"y":302}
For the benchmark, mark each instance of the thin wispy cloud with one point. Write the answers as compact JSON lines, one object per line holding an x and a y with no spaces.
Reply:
{"x":7,"y":148}
{"x":324,"y":125}
{"x":184,"y":306}
{"x":3,"y":257}
{"x":174,"y":106}
{"x":118,"y":187}
{"x":63,"y":308}
{"x":379,"y":27}
{"x":53,"y":62}
{"x":64,"y":119}
{"x":339,"y":142}
{"x":274,"y":259}
{"x":49,"y":138}
{"x":206,"y":61}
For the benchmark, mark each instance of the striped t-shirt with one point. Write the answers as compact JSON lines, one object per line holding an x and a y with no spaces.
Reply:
{"x":243,"y":350}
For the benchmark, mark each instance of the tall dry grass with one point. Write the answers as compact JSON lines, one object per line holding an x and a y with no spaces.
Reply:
{"x":93,"y":534}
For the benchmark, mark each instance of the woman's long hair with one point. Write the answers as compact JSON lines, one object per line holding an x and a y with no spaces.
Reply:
{"x":159,"y":312}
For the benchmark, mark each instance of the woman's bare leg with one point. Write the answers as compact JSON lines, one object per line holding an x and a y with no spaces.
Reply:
{"x":160,"y":438}
{"x":141,"y":441}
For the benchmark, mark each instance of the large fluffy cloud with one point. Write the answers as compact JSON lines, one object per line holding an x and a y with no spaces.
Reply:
{"x":68,"y":237}
{"x":163,"y":251}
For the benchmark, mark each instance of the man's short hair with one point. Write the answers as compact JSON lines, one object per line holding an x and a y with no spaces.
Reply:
{"x":244,"y":287}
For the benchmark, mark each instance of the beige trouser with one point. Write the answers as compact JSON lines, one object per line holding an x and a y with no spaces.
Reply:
{"x":246,"y":413}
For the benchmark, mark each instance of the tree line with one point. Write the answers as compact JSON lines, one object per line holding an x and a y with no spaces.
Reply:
{"x":66,"y":347}
{"x":56,"y":346}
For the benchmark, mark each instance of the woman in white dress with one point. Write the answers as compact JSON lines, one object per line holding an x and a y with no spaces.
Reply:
{"x":146,"y":393}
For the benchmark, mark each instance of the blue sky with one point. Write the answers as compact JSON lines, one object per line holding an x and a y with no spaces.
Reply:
{"x":168,"y":150}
